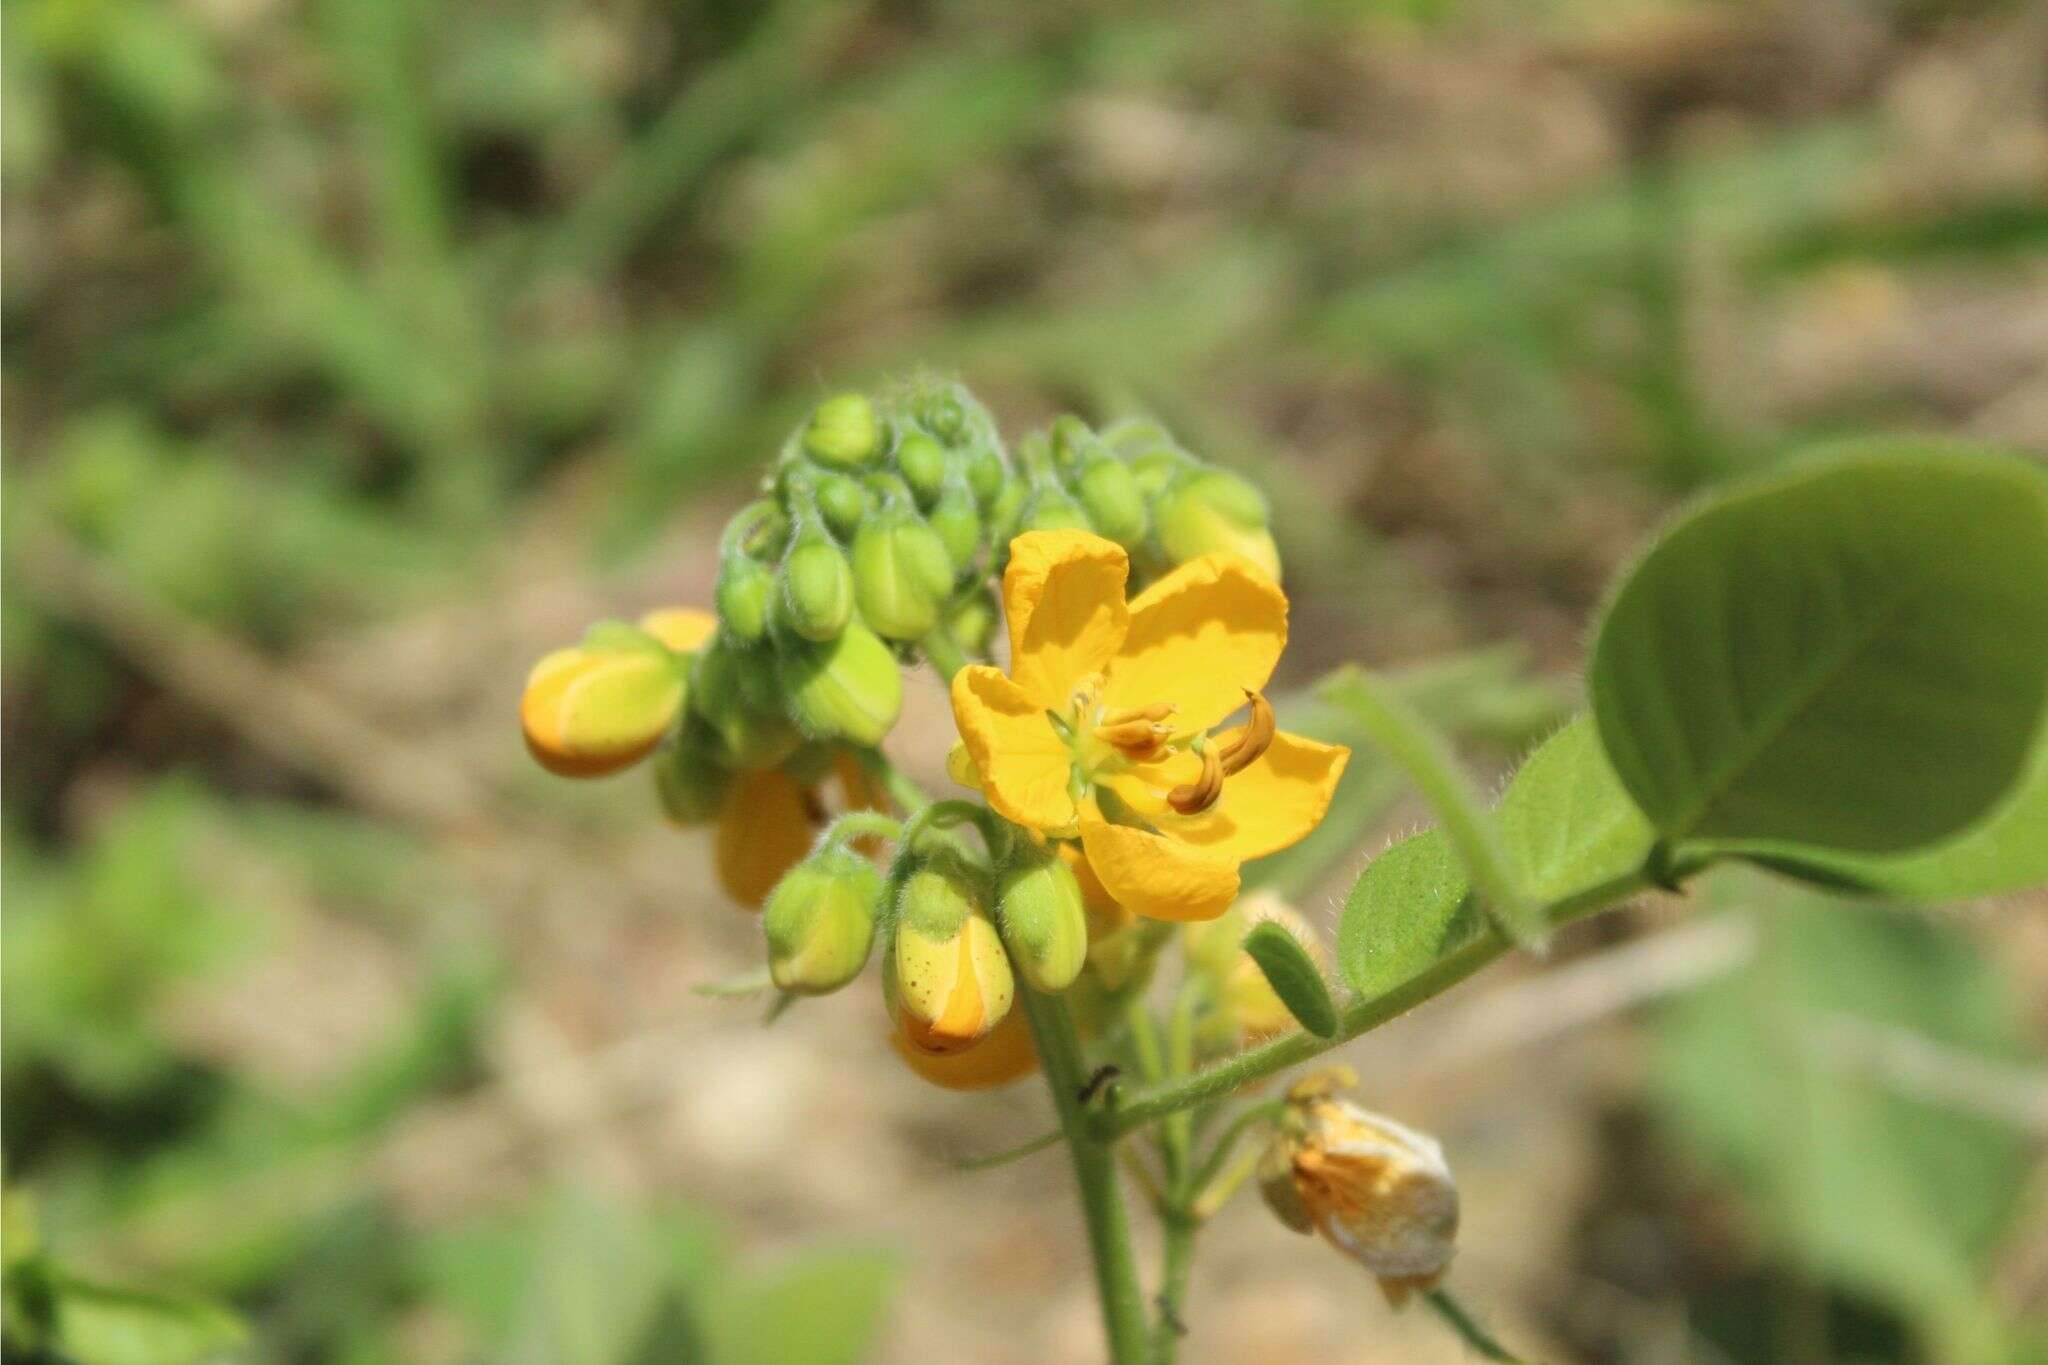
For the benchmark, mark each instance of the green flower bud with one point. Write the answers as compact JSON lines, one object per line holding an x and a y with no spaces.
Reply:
{"x":1110,"y":493}
{"x":848,"y":688}
{"x":973,"y":622}
{"x":946,"y":975}
{"x":843,"y":432}
{"x":817,"y":587}
{"x":746,"y":588}
{"x":820,"y":921}
{"x":987,"y":475}
{"x":902,"y":575}
{"x":1209,"y":511}
{"x":1005,"y":513}
{"x":944,"y":416}
{"x":922,"y":462}
{"x":1051,"y":508}
{"x":689,"y":777}
{"x":958,"y":522}
{"x":1045,"y":925}
{"x":727,"y":688}
{"x":843,"y":503}
{"x":1154,"y":467}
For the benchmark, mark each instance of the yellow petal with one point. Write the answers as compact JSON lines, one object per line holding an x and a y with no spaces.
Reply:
{"x":1064,"y":596}
{"x":1105,"y":916}
{"x":1158,"y":877}
{"x":1201,"y":637}
{"x":1271,"y":804}
{"x":1004,"y":1056}
{"x":682,"y":629}
{"x":960,"y":767}
{"x":764,"y":832}
{"x":1025,"y":765}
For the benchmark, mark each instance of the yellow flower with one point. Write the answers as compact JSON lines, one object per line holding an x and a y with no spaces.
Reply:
{"x":1378,"y":1191}
{"x":1102,"y":728}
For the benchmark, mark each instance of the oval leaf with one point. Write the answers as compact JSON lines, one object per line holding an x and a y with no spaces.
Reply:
{"x":1568,"y":823}
{"x":1411,"y":906}
{"x":1292,"y":974}
{"x":1852,"y":655}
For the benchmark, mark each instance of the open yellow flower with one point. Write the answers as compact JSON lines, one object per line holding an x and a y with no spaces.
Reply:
{"x":1102,"y":729}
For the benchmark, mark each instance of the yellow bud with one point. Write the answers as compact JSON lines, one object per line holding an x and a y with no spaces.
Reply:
{"x":1005,"y":1055}
{"x":1215,"y":512}
{"x":1377,"y":1190}
{"x":590,"y":712}
{"x":764,"y":831}
{"x":947,"y":972}
{"x":683,"y":629}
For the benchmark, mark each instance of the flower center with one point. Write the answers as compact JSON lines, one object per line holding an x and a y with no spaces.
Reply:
{"x":1126,"y":737}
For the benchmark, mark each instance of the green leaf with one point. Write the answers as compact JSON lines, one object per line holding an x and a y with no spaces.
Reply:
{"x":1852,"y":1084}
{"x":1568,"y":824}
{"x":824,"y":1310}
{"x":1411,"y":906}
{"x":2005,"y":853}
{"x":1292,"y":974}
{"x":1852,"y":655}
{"x":101,"y":1325}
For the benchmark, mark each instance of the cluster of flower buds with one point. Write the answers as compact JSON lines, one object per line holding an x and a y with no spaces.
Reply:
{"x":1376,"y":1190}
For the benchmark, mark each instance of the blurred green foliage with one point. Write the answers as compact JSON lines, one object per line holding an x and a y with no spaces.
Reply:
{"x":313,"y":311}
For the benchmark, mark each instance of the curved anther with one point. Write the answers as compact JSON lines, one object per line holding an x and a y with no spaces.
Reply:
{"x":1192,"y":798}
{"x":1256,"y":737}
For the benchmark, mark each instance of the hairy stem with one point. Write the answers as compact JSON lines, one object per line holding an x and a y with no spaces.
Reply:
{"x":1360,"y":1016}
{"x":1179,"y":1229}
{"x":1094,"y":1158}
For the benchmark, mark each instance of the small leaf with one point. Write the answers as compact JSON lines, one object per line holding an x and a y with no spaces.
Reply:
{"x":1292,"y":974}
{"x":1852,"y":655}
{"x":1411,"y":906}
{"x":1568,"y":823}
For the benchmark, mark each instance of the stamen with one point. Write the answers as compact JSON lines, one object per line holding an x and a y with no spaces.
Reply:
{"x":1192,"y":798}
{"x":1139,"y":740}
{"x":1257,"y":737}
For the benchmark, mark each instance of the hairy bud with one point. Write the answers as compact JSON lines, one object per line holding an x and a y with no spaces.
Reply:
{"x":947,"y":973}
{"x":844,"y":432}
{"x":746,"y":588}
{"x":844,"y":689}
{"x":1110,"y":494}
{"x":817,"y":587}
{"x":922,"y":462}
{"x":820,"y":921}
{"x":1044,"y":920}
{"x":689,"y":777}
{"x":958,"y":523}
{"x":843,"y":503}
{"x":902,"y":575}
{"x":973,"y":622}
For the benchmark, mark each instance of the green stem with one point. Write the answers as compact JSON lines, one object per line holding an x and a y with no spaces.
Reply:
{"x":944,"y":652}
{"x":899,"y":786}
{"x":1227,"y":1140}
{"x":1468,"y":1328}
{"x":1421,"y":751}
{"x":1179,"y":1258}
{"x":1102,"y":1207}
{"x":857,"y":824}
{"x":1008,"y":1154}
{"x":1360,"y":1016}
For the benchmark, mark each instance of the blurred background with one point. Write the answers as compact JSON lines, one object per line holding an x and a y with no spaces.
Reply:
{"x":360,"y":351}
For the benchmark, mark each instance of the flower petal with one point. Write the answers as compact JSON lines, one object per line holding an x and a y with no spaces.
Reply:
{"x":1271,"y":804}
{"x":1004,"y":1056}
{"x":1025,"y":766}
{"x":1063,"y":594}
{"x":1158,"y":877}
{"x":1201,"y":637}
{"x":682,"y":629}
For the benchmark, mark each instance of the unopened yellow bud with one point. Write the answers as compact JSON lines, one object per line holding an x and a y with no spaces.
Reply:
{"x":683,"y":629}
{"x":764,"y":831}
{"x":1211,"y":511}
{"x":844,"y":432}
{"x":846,"y":689}
{"x":1005,"y":1055}
{"x":820,"y":921}
{"x":600,"y":707}
{"x":947,"y":972}
{"x":1378,"y":1191}
{"x":1045,"y":925}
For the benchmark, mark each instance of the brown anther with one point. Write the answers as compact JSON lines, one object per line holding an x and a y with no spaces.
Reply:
{"x":1192,"y":798}
{"x":1256,"y":737}
{"x":1139,"y":740}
